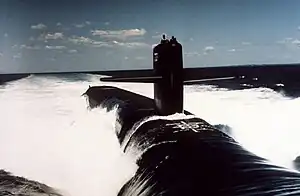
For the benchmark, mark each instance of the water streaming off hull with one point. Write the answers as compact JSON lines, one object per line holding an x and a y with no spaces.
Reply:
{"x":48,"y":134}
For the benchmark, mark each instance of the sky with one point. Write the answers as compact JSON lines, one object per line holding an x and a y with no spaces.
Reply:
{"x":85,"y":35}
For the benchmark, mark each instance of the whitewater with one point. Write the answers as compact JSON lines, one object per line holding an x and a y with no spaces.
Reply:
{"x":48,"y":133}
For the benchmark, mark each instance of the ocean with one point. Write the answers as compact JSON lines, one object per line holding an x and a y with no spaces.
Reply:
{"x":48,"y":133}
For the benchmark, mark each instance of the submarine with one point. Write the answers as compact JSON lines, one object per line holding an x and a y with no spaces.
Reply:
{"x":176,"y":152}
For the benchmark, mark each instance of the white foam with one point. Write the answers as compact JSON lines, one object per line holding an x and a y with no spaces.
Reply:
{"x":47,"y":133}
{"x":263,"y":121}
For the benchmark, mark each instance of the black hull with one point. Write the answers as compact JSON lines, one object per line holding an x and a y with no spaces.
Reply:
{"x":186,"y":155}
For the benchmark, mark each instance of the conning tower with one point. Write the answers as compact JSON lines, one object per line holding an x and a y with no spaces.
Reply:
{"x":168,"y":76}
{"x":168,"y":63}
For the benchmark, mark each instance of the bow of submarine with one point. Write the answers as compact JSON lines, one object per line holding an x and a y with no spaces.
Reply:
{"x":187,"y":156}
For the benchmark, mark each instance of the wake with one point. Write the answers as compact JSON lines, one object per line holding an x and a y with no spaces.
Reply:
{"x":48,"y":134}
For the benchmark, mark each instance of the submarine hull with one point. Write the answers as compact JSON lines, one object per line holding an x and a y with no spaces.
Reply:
{"x":184,"y":155}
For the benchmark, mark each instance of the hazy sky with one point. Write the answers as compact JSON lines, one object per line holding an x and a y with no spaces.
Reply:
{"x":67,"y":35}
